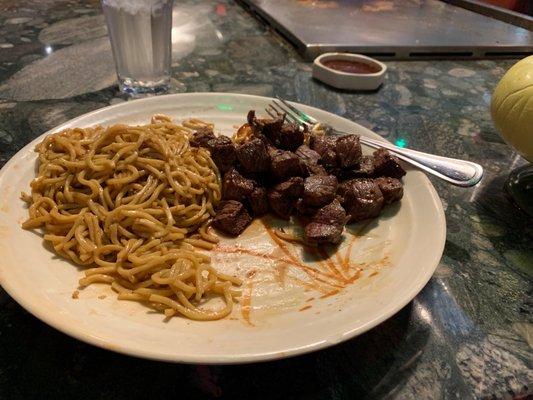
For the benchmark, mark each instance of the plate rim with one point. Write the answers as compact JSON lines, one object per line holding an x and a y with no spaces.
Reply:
{"x":85,"y":335}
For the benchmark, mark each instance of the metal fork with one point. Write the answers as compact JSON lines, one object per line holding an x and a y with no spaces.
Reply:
{"x":458,"y":172}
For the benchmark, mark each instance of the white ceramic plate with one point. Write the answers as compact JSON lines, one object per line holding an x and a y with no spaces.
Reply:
{"x":285,"y":310}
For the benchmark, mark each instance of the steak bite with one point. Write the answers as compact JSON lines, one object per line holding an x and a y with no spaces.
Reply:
{"x":270,"y":127}
{"x":235,"y":186}
{"x":258,"y":201}
{"x":365,"y":169}
{"x":289,"y":137}
{"x":222,"y":152}
{"x":361,"y":198}
{"x":310,"y":159}
{"x":325,"y":147}
{"x":391,"y":188}
{"x":231,"y":218}
{"x":331,"y":214}
{"x":307,"y":155}
{"x":303,"y":209}
{"x":283,"y":196}
{"x":319,"y":190}
{"x":386,"y":164}
{"x":316,"y":170}
{"x":285,"y":164}
{"x":348,"y":149}
{"x":253,"y":156}
{"x":201,"y":137}
{"x":327,"y":225}
{"x":317,"y":233}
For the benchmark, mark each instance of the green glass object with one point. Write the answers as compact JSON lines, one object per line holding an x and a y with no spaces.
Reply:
{"x":519,"y":187}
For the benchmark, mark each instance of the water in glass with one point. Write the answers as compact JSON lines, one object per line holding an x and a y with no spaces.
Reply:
{"x":140,"y":34}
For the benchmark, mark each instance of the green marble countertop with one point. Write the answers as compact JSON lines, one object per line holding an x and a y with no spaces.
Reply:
{"x":467,"y":335}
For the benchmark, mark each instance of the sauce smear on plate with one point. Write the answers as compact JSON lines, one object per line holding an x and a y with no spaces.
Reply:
{"x":352,"y":67}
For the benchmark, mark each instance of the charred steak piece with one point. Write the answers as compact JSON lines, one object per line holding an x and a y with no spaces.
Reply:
{"x":317,"y":233}
{"x":361,"y":198}
{"x":319,"y":190}
{"x":258,"y":201}
{"x":348,"y":149}
{"x":289,"y":137}
{"x":232,"y":218}
{"x":391,"y":188}
{"x":325,"y":147}
{"x":253,"y":156}
{"x":235,"y":186}
{"x":265,"y":126}
{"x":327,"y":224}
{"x":365,"y":169}
{"x":285,"y":164}
{"x":386,"y":164}
{"x":283,"y":196}
{"x":316,"y":170}
{"x":331,"y":214}
{"x":222,"y":152}
{"x":201,"y":137}
{"x":304,"y":210}
{"x":307,"y":155}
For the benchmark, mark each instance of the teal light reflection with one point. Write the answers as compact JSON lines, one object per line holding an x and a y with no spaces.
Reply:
{"x":224,"y":107}
{"x":400,"y":142}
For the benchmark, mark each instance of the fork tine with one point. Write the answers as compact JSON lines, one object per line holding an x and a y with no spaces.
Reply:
{"x":288,"y":112}
{"x":280,"y":112}
{"x":272,"y":108}
{"x":270,"y":113}
{"x":301,"y":114}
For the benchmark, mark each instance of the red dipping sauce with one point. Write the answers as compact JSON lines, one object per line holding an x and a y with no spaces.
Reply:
{"x":352,"y":67}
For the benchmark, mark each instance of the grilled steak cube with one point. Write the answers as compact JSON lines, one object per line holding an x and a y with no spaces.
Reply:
{"x":348,"y":149}
{"x":361,"y":198}
{"x":235,"y":186}
{"x":253,"y":156}
{"x":303,"y":209}
{"x":222,"y":152}
{"x":386,"y":164}
{"x":283,"y":196}
{"x":391,"y":188}
{"x":365,"y":169}
{"x":232,"y":218}
{"x":289,"y":137}
{"x":327,"y":224}
{"x":201,"y":137}
{"x":319,"y":190}
{"x":285,"y":164}
{"x":308,"y":155}
{"x":325,"y":147}
{"x":317,"y":233}
{"x":265,"y":126}
{"x":258,"y":201}
{"x":316,"y":170}
{"x":331,"y":214}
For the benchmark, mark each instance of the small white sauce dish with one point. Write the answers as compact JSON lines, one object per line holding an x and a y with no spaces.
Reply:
{"x":348,"y":80}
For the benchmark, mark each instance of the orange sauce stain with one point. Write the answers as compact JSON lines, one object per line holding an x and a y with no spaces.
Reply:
{"x":329,"y":274}
{"x":332,"y":293}
{"x":374,"y":273}
{"x":346,"y":261}
{"x":246,"y":303}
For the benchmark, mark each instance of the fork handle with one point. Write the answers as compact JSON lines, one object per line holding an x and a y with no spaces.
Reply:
{"x":458,"y":172}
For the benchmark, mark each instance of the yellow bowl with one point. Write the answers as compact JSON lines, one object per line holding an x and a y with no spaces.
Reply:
{"x":512,"y":107}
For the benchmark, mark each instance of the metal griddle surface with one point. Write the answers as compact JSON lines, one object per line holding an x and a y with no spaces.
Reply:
{"x":399,"y":29}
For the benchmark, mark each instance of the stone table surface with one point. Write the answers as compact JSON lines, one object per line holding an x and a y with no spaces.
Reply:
{"x":467,"y":335}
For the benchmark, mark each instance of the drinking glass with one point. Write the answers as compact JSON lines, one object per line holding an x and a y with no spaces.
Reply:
{"x":140,"y":35}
